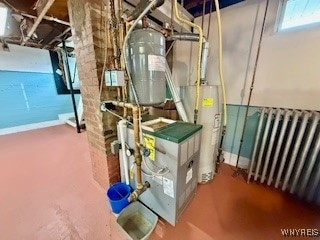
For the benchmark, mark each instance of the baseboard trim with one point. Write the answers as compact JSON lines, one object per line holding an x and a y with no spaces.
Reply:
{"x":231,"y":159}
{"x":28,"y":127}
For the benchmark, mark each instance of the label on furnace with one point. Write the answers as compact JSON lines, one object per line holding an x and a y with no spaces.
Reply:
{"x":168,"y":187}
{"x":156,"y":63}
{"x":189,"y":175}
{"x":150,"y":144}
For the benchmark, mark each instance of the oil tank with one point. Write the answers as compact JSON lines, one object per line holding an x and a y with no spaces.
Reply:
{"x":209,"y":117}
{"x":147,"y":65}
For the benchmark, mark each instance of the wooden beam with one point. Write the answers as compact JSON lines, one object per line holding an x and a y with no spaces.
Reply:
{"x":38,"y":20}
{"x":53,"y":19}
{"x":58,"y":38}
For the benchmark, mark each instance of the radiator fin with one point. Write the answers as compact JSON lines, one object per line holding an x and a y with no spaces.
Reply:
{"x":286,"y":152}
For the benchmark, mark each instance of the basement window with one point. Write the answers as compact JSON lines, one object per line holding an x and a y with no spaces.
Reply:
{"x":299,"y":13}
{"x":3,"y":20}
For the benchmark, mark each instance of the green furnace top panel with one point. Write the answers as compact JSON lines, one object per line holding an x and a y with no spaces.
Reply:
{"x":176,"y":132}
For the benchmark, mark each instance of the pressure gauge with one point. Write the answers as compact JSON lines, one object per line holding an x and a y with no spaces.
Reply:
{"x":129,"y":152}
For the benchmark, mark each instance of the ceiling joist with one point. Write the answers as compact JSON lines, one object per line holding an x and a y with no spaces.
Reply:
{"x":43,"y":12}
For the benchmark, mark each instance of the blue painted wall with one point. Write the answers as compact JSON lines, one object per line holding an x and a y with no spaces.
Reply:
{"x":236,"y":117}
{"x":30,"y":97}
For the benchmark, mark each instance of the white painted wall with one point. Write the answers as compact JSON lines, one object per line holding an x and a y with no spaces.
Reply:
{"x":25,"y":59}
{"x":288,"y":73}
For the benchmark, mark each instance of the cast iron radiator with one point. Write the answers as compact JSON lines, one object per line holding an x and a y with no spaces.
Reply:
{"x":286,"y":152}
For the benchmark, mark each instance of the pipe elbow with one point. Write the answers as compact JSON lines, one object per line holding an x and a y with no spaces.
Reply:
{"x":138,"y":191}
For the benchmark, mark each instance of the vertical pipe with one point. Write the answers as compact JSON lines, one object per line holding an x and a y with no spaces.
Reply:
{"x":318,"y":199}
{"x":123,"y":149}
{"x":263,"y":144}
{"x":137,"y":154}
{"x":311,"y":164}
{"x":305,"y":151}
{"x":271,"y":143}
{"x":287,"y":147}
{"x":71,"y":88}
{"x":313,"y":187}
{"x":295,"y":150}
{"x":115,"y":32}
{"x":204,"y":60}
{"x":175,"y":95}
{"x":253,"y":157}
{"x":136,"y":129}
{"x":253,"y":80}
{"x":279,"y":144}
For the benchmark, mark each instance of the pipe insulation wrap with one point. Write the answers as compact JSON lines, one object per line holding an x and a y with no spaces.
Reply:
{"x":204,"y":60}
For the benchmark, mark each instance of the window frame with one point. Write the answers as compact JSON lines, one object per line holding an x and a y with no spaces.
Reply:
{"x":281,"y":13}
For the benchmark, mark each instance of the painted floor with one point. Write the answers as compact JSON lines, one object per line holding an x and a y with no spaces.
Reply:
{"x":47,"y":192}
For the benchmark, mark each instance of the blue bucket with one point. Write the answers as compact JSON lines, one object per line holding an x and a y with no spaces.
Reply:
{"x":118,"y":196}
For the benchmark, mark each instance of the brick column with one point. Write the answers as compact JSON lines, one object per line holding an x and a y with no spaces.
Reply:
{"x":88,"y":30}
{"x":87,"y":19}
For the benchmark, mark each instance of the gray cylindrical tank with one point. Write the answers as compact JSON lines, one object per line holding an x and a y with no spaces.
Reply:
{"x":147,"y":65}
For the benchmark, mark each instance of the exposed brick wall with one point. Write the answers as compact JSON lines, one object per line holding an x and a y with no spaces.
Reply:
{"x":88,"y":30}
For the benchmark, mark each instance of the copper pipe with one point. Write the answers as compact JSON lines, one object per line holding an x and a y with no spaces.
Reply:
{"x":119,"y":93}
{"x":136,"y":127}
{"x":144,"y":22}
{"x":115,"y":32}
{"x":125,"y":111}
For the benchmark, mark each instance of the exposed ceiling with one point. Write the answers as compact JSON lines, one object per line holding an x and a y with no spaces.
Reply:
{"x":195,"y":7}
{"x":59,"y":9}
{"x":54,"y":27}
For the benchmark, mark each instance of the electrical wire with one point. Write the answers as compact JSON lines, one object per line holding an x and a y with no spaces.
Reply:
{"x":152,"y":174}
{"x":220,"y":64}
{"x":122,"y":118}
{"x":199,"y":57}
{"x":171,"y":46}
{"x":156,"y":173}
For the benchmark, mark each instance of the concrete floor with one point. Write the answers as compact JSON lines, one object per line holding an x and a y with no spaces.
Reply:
{"x":47,"y":192}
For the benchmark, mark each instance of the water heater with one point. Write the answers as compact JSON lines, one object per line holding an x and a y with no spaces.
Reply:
{"x":147,"y":65}
{"x":209,"y":117}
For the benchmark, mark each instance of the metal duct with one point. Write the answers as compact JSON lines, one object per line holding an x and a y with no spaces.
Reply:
{"x":193,"y":37}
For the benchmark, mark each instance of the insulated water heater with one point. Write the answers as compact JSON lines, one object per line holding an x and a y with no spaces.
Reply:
{"x":209,"y":117}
